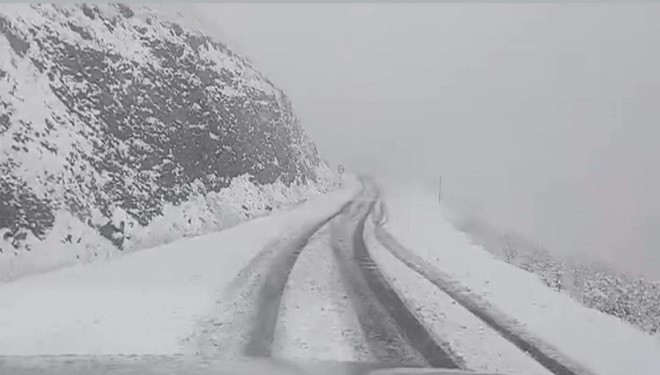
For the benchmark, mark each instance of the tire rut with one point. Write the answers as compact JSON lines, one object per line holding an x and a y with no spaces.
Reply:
{"x":394,"y":334}
{"x":545,"y":355}
{"x":269,"y":296}
{"x":243,"y":323}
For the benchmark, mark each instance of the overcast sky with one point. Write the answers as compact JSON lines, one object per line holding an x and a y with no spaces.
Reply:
{"x":540,"y":118}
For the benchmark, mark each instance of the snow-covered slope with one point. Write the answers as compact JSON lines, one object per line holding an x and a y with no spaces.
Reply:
{"x":111,"y":114}
{"x":592,"y":340}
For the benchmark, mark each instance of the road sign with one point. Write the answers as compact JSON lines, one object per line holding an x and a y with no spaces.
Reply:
{"x":340,"y":169}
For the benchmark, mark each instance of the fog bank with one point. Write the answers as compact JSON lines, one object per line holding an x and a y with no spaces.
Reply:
{"x":540,"y":118}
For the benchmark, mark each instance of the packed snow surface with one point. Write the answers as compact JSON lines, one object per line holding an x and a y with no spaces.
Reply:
{"x":317,"y":320}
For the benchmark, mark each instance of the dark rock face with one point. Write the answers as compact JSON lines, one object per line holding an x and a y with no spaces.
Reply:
{"x":112,"y":106}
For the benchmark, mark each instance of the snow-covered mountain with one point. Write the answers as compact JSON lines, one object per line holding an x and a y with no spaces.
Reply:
{"x":110,"y":107}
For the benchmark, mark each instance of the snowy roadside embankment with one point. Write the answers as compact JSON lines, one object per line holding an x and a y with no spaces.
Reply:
{"x":71,"y":241}
{"x":603,"y":344}
{"x":145,"y":302}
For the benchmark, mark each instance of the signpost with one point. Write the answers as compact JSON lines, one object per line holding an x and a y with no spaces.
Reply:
{"x":340,"y":169}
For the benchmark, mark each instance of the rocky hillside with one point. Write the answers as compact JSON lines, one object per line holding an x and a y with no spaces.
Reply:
{"x":109,"y":106}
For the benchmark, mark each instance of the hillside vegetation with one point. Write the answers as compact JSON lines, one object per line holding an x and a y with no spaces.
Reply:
{"x":632,"y":299}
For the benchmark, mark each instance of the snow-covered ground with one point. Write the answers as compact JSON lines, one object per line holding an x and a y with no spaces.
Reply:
{"x":601,"y":343}
{"x":145,"y":302}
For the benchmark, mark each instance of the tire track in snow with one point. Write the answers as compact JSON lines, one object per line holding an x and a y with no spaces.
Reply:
{"x":226,"y":332}
{"x":548,"y":357}
{"x":270,"y":293}
{"x":246,"y":313}
{"x":317,"y":321}
{"x":475,"y":346}
{"x":394,"y":334}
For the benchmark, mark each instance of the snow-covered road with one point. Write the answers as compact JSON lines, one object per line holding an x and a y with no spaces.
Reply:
{"x":324,"y":281}
{"x":317,"y":296}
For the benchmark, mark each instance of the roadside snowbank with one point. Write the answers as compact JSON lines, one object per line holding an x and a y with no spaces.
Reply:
{"x":601,"y":343}
{"x":71,"y":241}
{"x":145,"y":302}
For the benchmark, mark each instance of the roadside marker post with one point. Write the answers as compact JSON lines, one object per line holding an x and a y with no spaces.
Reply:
{"x":440,"y":189}
{"x":340,"y":169}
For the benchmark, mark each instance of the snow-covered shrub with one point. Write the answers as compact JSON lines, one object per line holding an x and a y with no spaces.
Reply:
{"x":69,"y":241}
{"x":633,"y":299}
